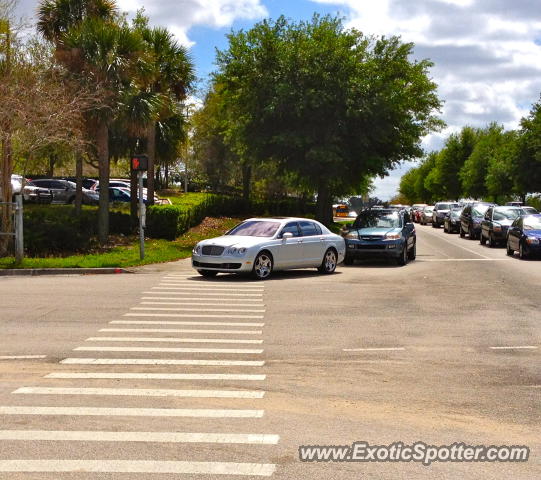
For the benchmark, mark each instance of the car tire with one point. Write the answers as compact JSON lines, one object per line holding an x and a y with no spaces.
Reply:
{"x":434,"y":224}
{"x":330,"y":259}
{"x":510,"y":251}
{"x":207,"y":273}
{"x":462,"y":232}
{"x":348,"y":260}
{"x":521,"y":253}
{"x":263,"y":264}
{"x":445,"y":229}
{"x":491,"y":241}
{"x":482,"y":239}
{"x":403,"y":258}
{"x":413,"y":252}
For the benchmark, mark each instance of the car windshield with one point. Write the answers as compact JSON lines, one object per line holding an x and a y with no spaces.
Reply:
{"x":456,"y":212}
{"x":479,"y":210}
{"x":377,"y":220}
{"x":444,"y":206}
{"x":255,"y":228}
{"x":532,"y":223}
{"x":529,"y":210}
{"x":506,"y":214}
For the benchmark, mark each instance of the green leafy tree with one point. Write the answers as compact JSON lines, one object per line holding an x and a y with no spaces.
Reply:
{"x":407,"y":185}
{"x":327,"y":104}
{"x":528,"y":166}
{"x":501,"y":171}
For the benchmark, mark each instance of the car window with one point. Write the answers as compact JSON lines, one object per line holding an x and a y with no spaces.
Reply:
{"x":291,"y":227}
{"x":506,"y":214}
{"x":479,"y":210}
{"x":318,"y":229}
{"x":255,"y":228}
{"x":531,"y":223}
{"x":488,"y":214}
{"x":43,"y":183}
{"x":378,"y":220}
{"x":308,"y":229}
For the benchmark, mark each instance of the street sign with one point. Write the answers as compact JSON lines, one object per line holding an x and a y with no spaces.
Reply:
{"x":139,"y":163}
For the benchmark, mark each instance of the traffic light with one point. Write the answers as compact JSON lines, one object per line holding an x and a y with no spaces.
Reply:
{"x":139,"y":163}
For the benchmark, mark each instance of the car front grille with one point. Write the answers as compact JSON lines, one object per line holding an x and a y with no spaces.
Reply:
{"x":213,"y":250}
{"x":370,"y":247}
{"x":227,"y":266}
{"x":371,"y":238}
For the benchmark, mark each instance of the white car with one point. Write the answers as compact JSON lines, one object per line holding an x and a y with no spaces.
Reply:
{"x":261,"y":245}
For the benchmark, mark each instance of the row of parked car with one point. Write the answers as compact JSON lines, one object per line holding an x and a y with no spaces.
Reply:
{"x":62,"y":190}
{"x":515,"y":226}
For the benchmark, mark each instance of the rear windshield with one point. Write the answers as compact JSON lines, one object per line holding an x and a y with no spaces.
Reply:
{"x":532,"y":223}
{"x":479,"y":210}
{"x":505,"y":214}
{"x":254,"y":228}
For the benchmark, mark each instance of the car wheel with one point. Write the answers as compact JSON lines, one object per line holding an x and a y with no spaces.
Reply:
{"x":328,"y":265}
{"x":348,"y":260}
{"x":462,"y":232}
{"x":207,"y":273}
{"x":473,"y":236}
{"x":413,"y":252}
{"x":482,"y":239}
{"x":445,"y":229}
{"x":403,"y":258}
{"x":434,"y":224}
{"x":510,"y":251}
{"x":491,"y":242}
{"x":521,"y":253}
{"x":262,"y":266}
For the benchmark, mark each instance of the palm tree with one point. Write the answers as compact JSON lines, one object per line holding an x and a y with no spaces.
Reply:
{"x":109,"y":57}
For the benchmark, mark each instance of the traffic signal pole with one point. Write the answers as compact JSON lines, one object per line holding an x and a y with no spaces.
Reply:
{"x":142,"y":217}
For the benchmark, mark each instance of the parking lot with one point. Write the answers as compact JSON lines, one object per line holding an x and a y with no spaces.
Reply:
{"x":446,"y":349}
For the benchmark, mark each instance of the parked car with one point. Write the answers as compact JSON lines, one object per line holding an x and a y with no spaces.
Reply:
{"x":31,"y":193}
{"x":440,"y":210}
{"x":496,"y":223}
{"x":259,"y":246}
{"x":514,"y":204}
{"x":64,"y":191}
{"x":381,"y":233}
{"x":416,"y":210}
{"x":529,"y":210}
{"x":125,"y":188}
{"x":524,"y":235}
{"x":451,"y":222}
{"x":426,"y":215}
{"x":471,"y":218}
{"x":88,"y":183}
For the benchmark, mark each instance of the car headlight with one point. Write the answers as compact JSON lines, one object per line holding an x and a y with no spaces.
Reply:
{"x":497,"y":227}
{"x":352,"y":235}
{"x":197,"y":249}
{"x":392,"y":236}
{"x":532,"y":240}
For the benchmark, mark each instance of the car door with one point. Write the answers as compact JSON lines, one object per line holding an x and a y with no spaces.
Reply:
{"x":290,"y":251}
{"x":486,"y":223}
{"x":313,"y":244}
{"x":408,"y":231}
{"x":514,"y":234}
{"x":465,"y":219}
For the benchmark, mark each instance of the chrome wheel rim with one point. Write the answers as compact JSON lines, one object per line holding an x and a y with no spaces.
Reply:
{"x":263,"y":266}
{"x":330,"y":261}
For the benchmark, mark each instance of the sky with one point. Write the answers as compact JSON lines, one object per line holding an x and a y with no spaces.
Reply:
{"x":487,"y":53}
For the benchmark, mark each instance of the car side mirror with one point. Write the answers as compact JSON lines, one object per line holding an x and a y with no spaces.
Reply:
{"x":285,"y":236}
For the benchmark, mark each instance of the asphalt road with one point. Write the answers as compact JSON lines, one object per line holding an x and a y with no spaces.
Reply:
{"x":232,"y":376}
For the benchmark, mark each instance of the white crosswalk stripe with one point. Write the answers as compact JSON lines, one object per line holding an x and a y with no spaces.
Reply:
{"x":182,"y":303}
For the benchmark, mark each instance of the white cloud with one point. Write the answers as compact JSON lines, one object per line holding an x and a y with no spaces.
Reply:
{"x":485,"y":53}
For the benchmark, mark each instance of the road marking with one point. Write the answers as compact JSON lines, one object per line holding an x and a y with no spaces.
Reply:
{"x":197,"y":309}
{"x":200,"y":299}
{"x":131,"y":412}
{"x":173,"y":286}
{"x":180,"y":330}
{"x":457,"y":245}
{"x":199,"y":292}
{"x":466,"y":260}
{"x":190,"y":315}
{"x":162,"y":437}
{"x":520,"y":347}
{"x":141,"y":392}
{"x":137,"y":466}
{"x":201,"y":303}
{"x":171,"y":322}
{"x":213,"y":284}
{"x":161,"y":361}
{"x":156,"y":376}
{"x":172,"y":350}
{"x":172,"y":340}
{"x":21,"y":357}
{"x":388,"y":349}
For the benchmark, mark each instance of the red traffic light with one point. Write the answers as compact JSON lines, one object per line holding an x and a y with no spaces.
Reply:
{"x":139,"y":162}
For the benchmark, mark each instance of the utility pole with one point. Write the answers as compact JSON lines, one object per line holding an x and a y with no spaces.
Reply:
{"x":139,"y":164}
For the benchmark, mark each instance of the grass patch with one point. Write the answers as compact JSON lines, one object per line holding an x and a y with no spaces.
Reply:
{"x":156,"y":251}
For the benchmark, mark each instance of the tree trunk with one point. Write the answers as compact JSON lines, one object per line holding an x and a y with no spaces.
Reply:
{"x":246,"y":181}
{"x":133,"y":200}
{"x":78,"y":182}
{"x":151,"y":152}
{"x":102,"y":140}
{"x":52,"y":161}
{"x":6,"y":224}
{"x":324,"y":205}
{"x":166,"y":176}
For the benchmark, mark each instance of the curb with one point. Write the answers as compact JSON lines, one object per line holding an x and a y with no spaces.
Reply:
{"x":60,"y":271}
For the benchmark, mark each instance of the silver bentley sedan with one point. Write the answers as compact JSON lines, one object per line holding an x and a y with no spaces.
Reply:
{"x":258,"y":246}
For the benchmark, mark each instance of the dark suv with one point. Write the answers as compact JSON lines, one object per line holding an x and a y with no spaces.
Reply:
{"x":440,"y":210}
{"x":496,"y":223}
{"x":471,"y":218}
